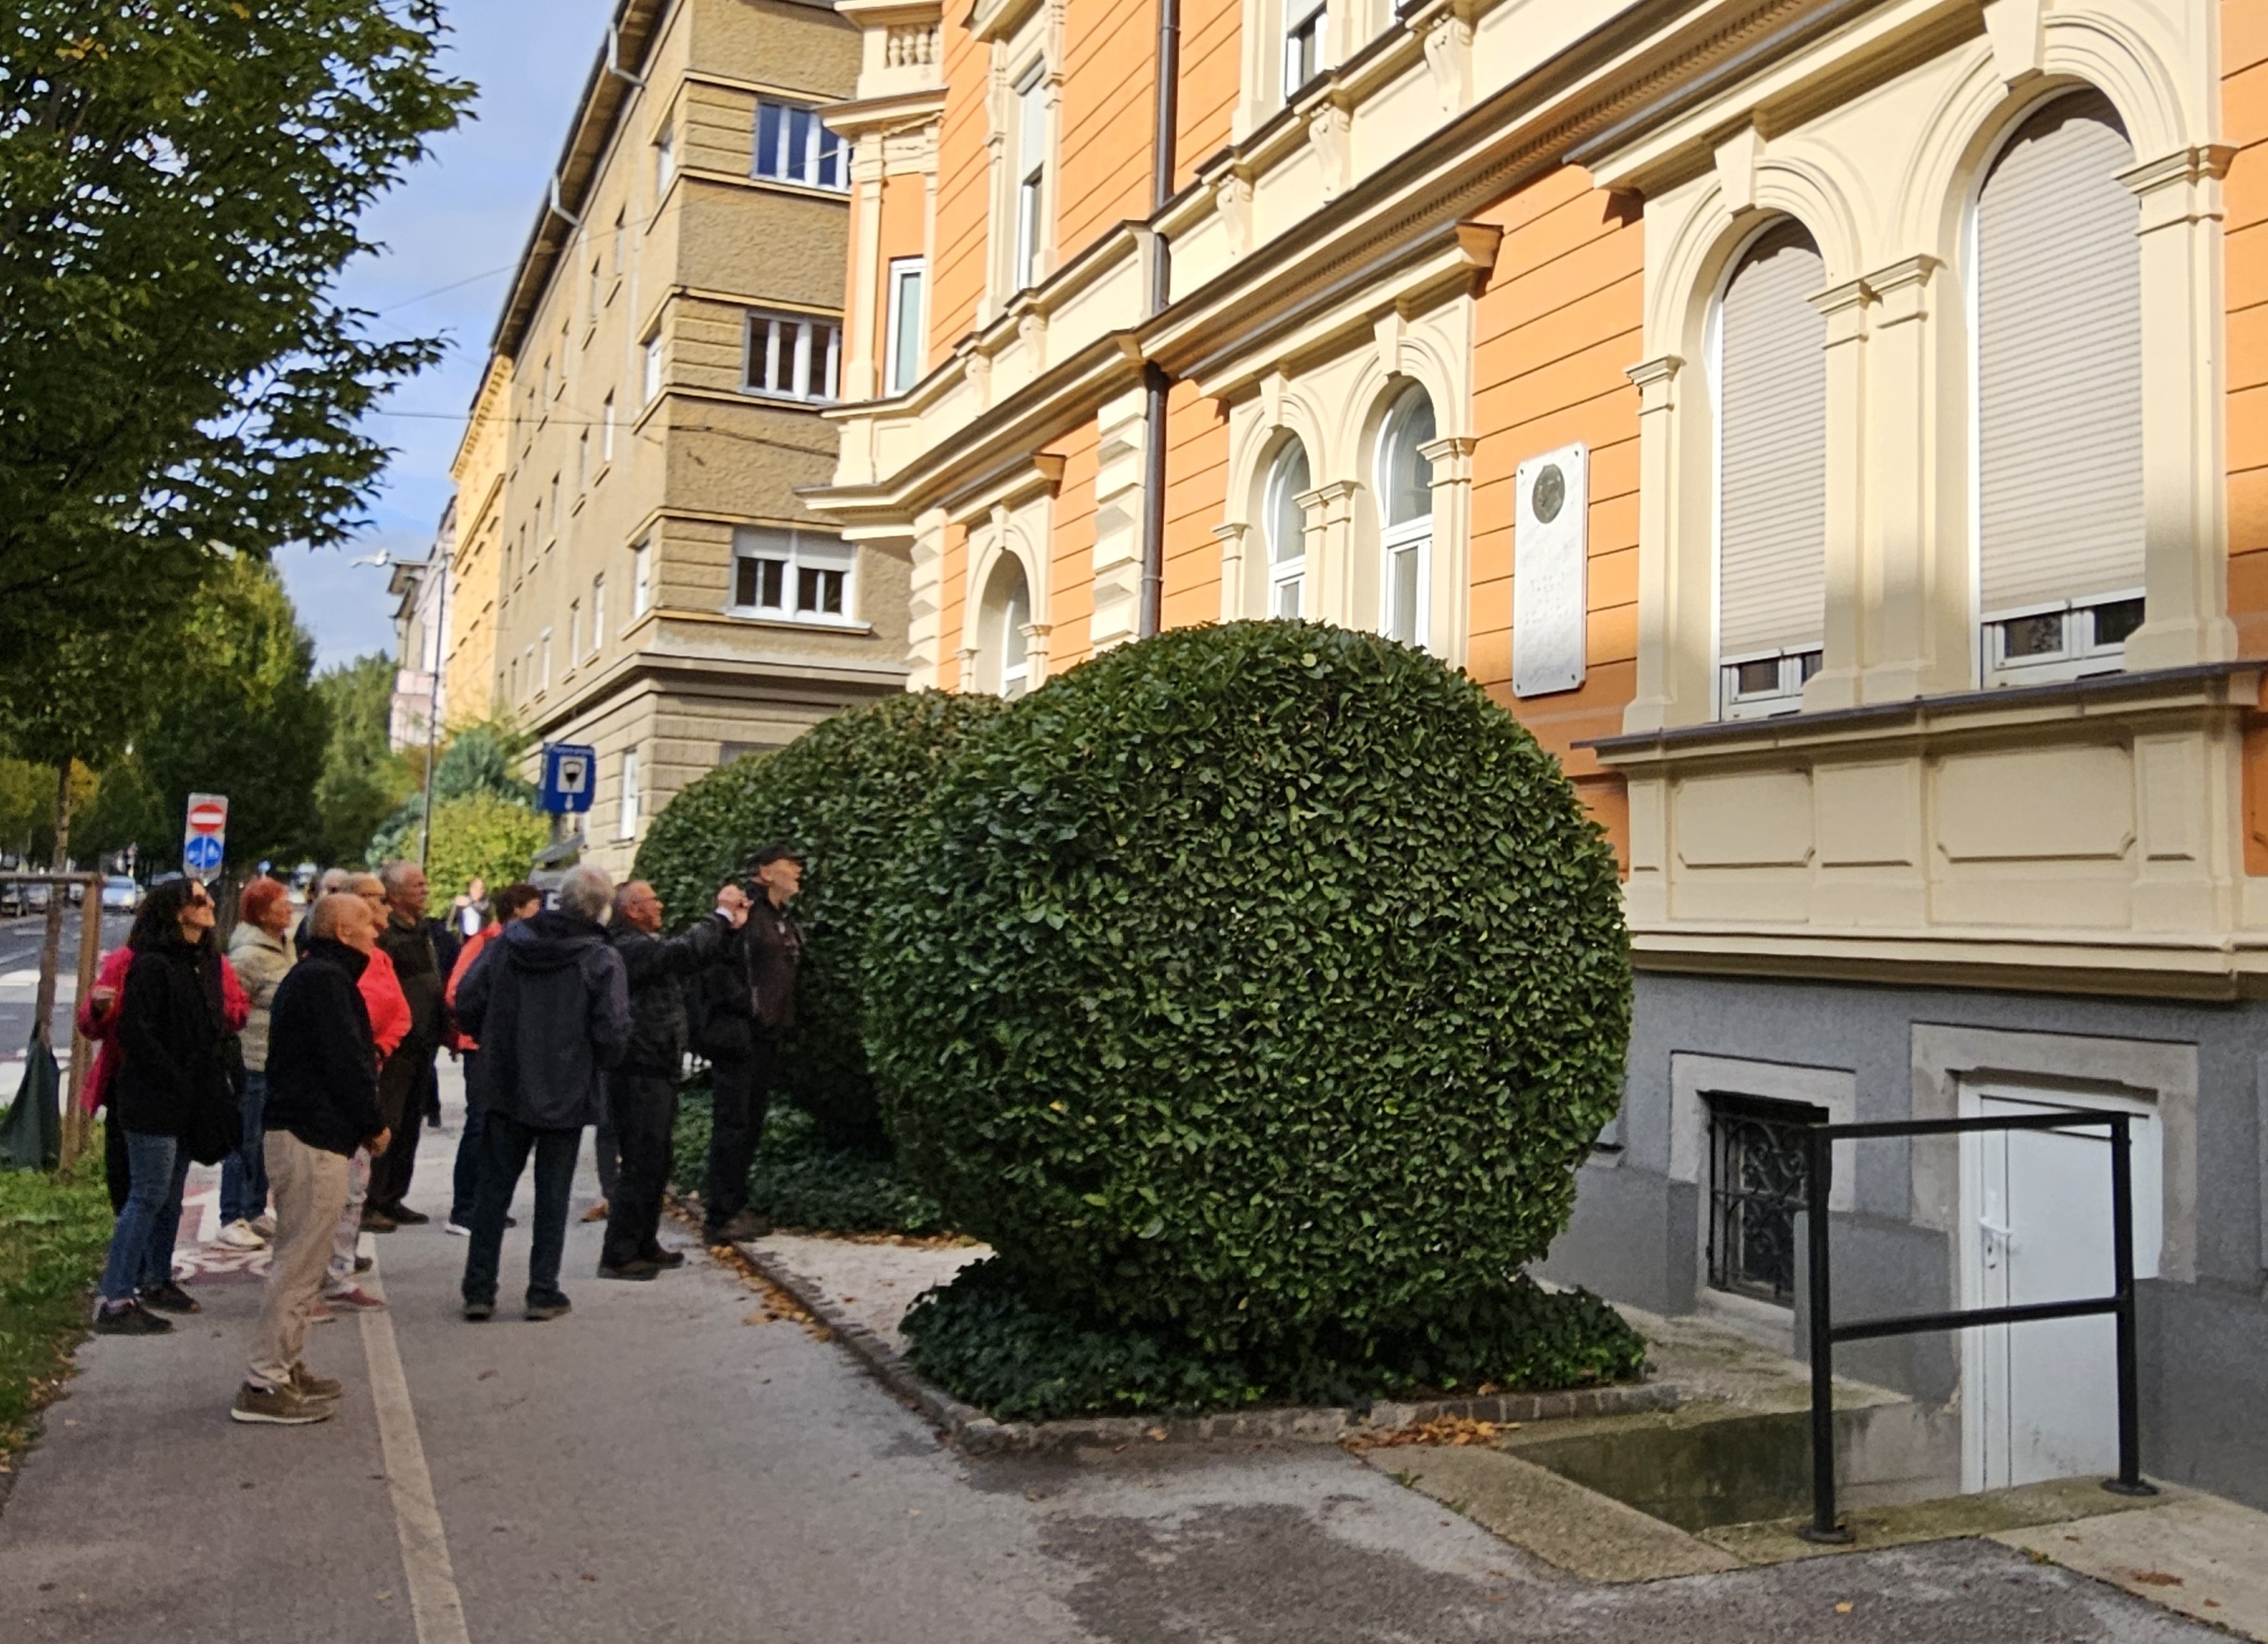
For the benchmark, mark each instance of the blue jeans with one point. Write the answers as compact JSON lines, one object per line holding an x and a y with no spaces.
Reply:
{"x":142,"y":1240}
{"x":244,"y":1173}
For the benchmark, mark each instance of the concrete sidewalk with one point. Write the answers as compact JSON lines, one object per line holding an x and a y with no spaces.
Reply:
{"x":654,"y":1468}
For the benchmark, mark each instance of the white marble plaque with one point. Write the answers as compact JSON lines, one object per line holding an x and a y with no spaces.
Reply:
{"x":1550,"y":593}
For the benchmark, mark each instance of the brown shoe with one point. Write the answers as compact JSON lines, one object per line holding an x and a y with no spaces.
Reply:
{"x":596,"y":1212}
{"x":280,"y":1406}
{"x":307,"y":1385}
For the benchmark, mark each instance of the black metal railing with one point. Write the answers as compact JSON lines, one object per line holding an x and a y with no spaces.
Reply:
{"x":1825,"y":1526}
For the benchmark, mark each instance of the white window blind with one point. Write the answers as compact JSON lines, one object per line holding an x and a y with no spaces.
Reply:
{"x":790,"y":574}
{"x":1772,"y":465}
{"x":793,"y":145}
{"x":906,"y":320}
{"x":1031,"y":175}
{"x":2060,"y":363}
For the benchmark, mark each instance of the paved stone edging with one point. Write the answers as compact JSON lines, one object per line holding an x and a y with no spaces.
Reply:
{"x":980,"y":1435}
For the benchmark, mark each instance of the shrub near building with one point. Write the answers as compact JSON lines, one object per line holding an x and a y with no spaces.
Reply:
{"x":1255,"y":991}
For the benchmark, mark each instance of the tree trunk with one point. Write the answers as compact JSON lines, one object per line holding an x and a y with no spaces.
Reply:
{"x":51,"y":944}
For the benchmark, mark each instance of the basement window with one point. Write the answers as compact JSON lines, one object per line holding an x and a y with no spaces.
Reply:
{"x":1759,"y":1174}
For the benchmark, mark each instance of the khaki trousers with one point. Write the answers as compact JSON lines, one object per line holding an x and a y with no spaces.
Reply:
{"x":310,"y":1186}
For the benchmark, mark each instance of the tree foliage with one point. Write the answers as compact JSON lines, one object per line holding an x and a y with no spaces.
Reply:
{"x":1265,"y":981}
{"x":481,"y":760}
{"x":484,"y":835}
{"x":362,"y":779}
{"x":845,"y":794}
{"x":180,"y":183}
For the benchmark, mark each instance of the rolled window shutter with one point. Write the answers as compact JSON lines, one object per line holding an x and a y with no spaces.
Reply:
{"x":2059,"y":361}
{"x":1771,"y":576}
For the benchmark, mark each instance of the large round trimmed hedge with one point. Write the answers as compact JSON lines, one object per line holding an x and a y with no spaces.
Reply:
{"x":843,"y":793}
{"x":1266,"y":980}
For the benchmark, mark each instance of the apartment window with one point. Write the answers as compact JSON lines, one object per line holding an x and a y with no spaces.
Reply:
{"x":793,"y":145}
{"x":2058,"y":303}
{"x":906,"y":276}
{"x":598,"y":611}
{"x":554,"y":504}
{"x":1031,"y":174}
{"x":650,"y":372}
{"x":1771,"y":379}
{"x":574,"y":633}
{"x":642,"y":578}
{"x":606,"y":430}
{"x":543,"y":677}
{"x":1759,"y":1178}
{"x":597,"y":293}
{"x":791,"y":574}
{"x":583,"y":462}
{"x":1004,"y":631}
{"x":1286,"y":530}
{"x":633,"y":795}
{"x":547,"y":380}
{"x":1405,"y":488}
{"x":559,"y":383}
{"x":795,"y":358}
{"x":619,"y":253}
{"x":1303,"y":43}
{"x":665,"y":161}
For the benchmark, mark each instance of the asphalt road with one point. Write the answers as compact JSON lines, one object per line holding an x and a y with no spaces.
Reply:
{"x":655,"y":1467}
{"x":20,"y":964}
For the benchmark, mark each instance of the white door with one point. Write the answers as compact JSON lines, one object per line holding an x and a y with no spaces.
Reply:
{"x":2042,"y":1399}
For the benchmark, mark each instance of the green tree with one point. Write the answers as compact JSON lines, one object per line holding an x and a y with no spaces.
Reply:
{"x":362,"y":779}
{"x":127,"y":810}
{"x":180,"y":183}
{"x":480,"y":833}
{"x":243,"y":681}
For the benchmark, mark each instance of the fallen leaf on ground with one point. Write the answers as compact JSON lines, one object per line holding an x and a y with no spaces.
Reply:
{"x":1844,"y":1609}
{"x":1447,"y":1430}
{"x":2156,"y":1578}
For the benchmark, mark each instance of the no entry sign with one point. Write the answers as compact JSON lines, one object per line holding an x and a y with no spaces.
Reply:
{"x":206,"y":842}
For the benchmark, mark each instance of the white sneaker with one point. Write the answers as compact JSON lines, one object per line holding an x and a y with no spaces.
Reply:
{"x":240,"y":1234}
{"x":457,"y":1230}
{"x":264,"y":1225}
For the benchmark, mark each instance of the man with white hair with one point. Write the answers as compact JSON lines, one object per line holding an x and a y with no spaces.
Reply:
{"x":550,"y":1002}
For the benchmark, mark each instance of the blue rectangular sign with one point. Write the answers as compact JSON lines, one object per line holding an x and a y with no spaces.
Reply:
{"x":571,"y":774}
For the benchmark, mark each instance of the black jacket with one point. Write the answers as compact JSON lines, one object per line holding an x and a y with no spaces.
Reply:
{"x":550,"y":1002}
{"x":172,"y":1039}
{"x":752,"y":993}
{"x":656,"y":968}
{"x":323,"y":1065}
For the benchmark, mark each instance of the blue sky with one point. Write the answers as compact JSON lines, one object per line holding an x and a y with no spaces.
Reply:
{"x":458,"y":222}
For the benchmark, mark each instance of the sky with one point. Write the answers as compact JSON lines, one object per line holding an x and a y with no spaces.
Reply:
{"x":453,"y":232}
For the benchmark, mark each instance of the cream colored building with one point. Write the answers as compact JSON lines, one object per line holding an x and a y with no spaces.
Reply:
{"x":476,"y":556}
{"x":661,"y":593}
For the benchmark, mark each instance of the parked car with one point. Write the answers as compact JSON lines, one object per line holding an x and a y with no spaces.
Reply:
{"x":121,"y":894}
{"x":35,"y":897}
{"x":11,"y":898}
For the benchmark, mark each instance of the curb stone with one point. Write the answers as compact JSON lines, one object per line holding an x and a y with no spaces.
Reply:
{"x":979,"y":1434}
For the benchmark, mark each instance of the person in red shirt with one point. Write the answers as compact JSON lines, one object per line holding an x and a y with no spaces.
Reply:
{"x":513,"y":902}
{"x":389,"y":1025}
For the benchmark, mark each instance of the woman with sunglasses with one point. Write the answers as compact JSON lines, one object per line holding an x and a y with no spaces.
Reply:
{"x":170,"y":1034}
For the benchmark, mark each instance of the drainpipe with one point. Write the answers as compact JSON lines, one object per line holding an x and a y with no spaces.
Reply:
{"x":1155,"y":383}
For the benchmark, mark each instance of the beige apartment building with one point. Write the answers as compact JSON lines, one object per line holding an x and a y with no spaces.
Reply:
{"x":659,"y":591}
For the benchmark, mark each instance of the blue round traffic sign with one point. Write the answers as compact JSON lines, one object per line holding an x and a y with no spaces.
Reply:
{"x":200,"y":852}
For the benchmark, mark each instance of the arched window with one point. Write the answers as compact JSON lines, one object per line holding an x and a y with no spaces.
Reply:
{"x":1771,"y":376}
{"x":1003,"y":640}
{"x":1286,"y":526}
{"x":2058,"y":297}
{"x":1405,"y":506}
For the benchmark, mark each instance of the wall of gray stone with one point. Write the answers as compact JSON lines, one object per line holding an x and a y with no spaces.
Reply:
{"x":1635,"y":1233}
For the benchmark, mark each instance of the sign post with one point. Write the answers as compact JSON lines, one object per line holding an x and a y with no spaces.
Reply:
{"x":204,"y":845}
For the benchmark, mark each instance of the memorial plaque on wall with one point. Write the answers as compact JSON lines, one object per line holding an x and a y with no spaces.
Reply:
{"x":1550,"y":598}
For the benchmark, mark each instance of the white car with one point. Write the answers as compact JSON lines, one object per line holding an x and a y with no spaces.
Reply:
{"x":121,"y":894}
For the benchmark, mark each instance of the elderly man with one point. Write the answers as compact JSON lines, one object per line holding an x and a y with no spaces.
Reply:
{"x":642,"y":1094}
{"x":322,"y":1105}
{"x":750,"y":1002}
{"x":549,"y":1003}
{"x":390,"y":1023}
{"x":407,"y":1079}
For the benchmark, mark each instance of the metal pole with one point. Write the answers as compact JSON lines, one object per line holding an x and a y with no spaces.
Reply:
{"x":1149,"y":605}
{"x":1824,"y":1526}
{"x":434,"y":709}
{"x":2129,"y":1480}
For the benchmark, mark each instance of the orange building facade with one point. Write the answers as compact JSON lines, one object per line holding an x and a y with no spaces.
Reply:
{"x":1837,"y":429}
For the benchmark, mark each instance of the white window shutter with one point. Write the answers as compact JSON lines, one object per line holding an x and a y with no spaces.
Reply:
{"x":1771,"y":566}
{"x":2060,"y":363}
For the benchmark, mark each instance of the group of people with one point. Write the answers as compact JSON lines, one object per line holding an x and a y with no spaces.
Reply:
{"x":305,"y":1061}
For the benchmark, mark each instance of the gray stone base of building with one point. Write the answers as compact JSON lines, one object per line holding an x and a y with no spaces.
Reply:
{"x":2198,"y":1072}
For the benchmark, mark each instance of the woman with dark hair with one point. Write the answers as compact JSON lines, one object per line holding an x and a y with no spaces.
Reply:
{"x":172,"y":1031}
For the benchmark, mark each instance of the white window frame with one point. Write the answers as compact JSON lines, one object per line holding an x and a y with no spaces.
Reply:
{"x":1411,"y":539}
{"x":1307,"y":27}
{"x":582,"y":462}
{"x":806,"y":558}
{"x":650,"y":372}
{"x":2079,"y":652}
{"x":630,"y":813}
{"x":1030,"y":199}
{"x":642,"y":578}
{"x":574,"y":633}
{"x":791,"y":357}
{"x":824,"y":162}
{"x":908,"y":291}
{"x":665,"y":161}
{"x":543,"y":679}
{"x":1791,"y":667}
{"x":1285,"y":572}
{"x":556,"y":509}
{"x":606,"y":429}
{"x":598,"y":611}
{"x":621,"y":254}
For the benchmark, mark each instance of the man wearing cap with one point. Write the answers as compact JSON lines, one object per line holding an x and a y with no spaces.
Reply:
{"x":749,"y":1000}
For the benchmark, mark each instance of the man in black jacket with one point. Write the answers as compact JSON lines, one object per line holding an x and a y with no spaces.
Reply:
{"x":642,"y":1093}
{"x":406,"y":1081}
{"x":322,"y":1105}
{"x":550,"y":1002}
{"x":749,"y":1000}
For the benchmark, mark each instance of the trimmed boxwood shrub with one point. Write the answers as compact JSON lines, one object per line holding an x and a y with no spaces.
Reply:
{"x":1264,"y":981}
{"x":796,"y":1180}
{"x":844,"y":793}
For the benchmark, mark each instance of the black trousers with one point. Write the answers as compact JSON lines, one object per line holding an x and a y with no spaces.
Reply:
{"x":391,"y":1170}
{"x":506,"y":1144}
{"x":744,"y":1091}
{"x":643,"y":1108}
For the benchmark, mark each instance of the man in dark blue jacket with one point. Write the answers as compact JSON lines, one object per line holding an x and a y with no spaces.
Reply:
{"x":549,"y":1003}
{"x":322,"y":1105}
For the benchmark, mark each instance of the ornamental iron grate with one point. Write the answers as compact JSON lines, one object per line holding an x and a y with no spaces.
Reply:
{"x":1758,"y":1179}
